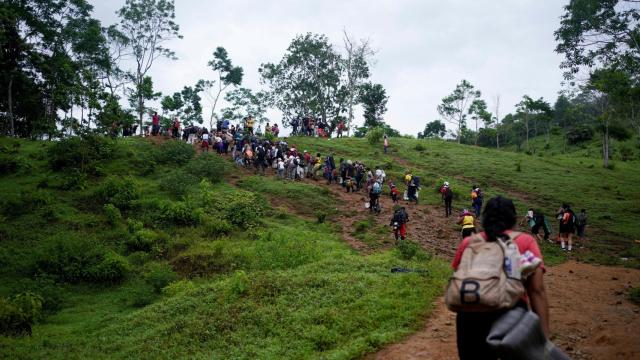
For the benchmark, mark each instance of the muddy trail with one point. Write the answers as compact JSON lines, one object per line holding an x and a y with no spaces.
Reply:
{"x":591,"y":316}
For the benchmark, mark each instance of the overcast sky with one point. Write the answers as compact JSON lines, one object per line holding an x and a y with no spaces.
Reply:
{"x":425,"y":47}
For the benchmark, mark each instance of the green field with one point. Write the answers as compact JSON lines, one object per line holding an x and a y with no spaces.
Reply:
{"x":188,"y":266}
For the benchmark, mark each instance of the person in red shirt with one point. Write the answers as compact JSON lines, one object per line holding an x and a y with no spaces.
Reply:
{"x":499,"y":218}
{"x":155,"y":124}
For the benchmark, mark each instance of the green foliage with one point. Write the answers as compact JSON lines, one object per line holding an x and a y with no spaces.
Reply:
{"x":419,"y":147}
{"x":579,"y":134}
{"x":321,"y":216}
{"x":239,"y":283}
{"x":119,"y":191}
{"x":374,"y":135}
{"x":174,"y":152}
{"x":178,"y":287}
{"x":74,"y":260}
{"x":208,"y":167}
{"x":10,"y":164}
{"x":19,"y":313}
{"x":179,"y":213}
{"x":141,"y":296}
{"x":148,"y":241}
{"x":27,"y":201}
{"x":159,"y":275}
{"x":626,"y":153}
{"x":113,"y":214}
{"x":178,"y":182}
{"x":73,"y":179}
{"x":80,"y":153}
{"x":214,"y":228}
{"x":240,"y":208}
{"x":408,"y":249}
{"x":374,"y":100}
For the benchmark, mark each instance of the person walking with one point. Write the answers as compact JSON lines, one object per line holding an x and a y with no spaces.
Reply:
{"x":472,"y":328}
{"x":447,"y":198}
{"x":386,"y":143}
{"x":468,"y":223}
{"x":567,"y":227}
{"x":155,"y":124}
{"x":476,"y":200}
{"x":581,"y":225}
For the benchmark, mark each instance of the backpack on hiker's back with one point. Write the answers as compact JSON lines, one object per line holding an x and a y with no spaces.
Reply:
{"x":400,"y":216}
{"x":486,"y":278}
{"x":377,"y":188}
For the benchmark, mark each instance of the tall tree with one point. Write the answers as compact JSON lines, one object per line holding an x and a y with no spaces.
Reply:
{"x":147,"y":25}
{"x":478,"y":112}
{"x":433,"y":129}
{"x":496,"y":119}
{"x":245,"y":102}
{"x":307,"y":80}
{"x":356,"y":68}
{"x":228,"y":75}
{"x":596,"y":33}
{"x":374,"y":100}
{"x":454,"y":107}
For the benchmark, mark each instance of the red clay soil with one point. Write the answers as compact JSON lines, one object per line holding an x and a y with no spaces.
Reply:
{"x":591,"y":317}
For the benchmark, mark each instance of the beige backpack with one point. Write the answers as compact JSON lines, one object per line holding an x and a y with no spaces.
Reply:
{"x":481,"y":283}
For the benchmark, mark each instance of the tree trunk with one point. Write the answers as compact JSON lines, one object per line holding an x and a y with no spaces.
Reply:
{"x":526,"y":126}
{"x":10,"y":103}
{"x":605,"y":144}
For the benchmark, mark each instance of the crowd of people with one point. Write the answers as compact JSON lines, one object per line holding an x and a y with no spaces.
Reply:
{"x":523,"y":260}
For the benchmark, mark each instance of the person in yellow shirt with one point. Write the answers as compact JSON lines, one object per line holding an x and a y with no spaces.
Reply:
{"x":467,"y":221}
{"x":249,"y":124}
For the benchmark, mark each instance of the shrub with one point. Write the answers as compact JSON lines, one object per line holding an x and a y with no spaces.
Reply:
{"x":73,"y":179}
{"x":80,"y":153}
{"x":239,"y":208}
{"x":138,"y":258}
{"x":141,"y":296}
{"x":374,"y":135}
{"x":19,"y":313}
{"x":113,"y":214}
{"x":626,"y":153}
{"x":209,"y":167}
{"x":205,"y":259}
{"x":178,"y":182}
{"x":579,"y":134}
{"x":27,"y":201}
{"x":76,"y":260}
{"x":408,"y":249}
{"x":119,"y":191}
{"x":148,"y":241}
{"x":176,"y":152}
{"x":239,"y":283}
{"x":419,"y":147}
{"x":159,"y":275}
{"x":179,"y":213}
{"x":214,"y":228}
{"x":321,"y":216}
{"x":178,"y":287}
{"x":10,"y":164}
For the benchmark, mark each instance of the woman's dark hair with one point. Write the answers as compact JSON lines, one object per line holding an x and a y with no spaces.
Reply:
{"x":499,"y":215}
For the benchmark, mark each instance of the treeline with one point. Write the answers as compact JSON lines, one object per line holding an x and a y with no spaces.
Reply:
{"x":601,"y":44}
{"x":65,"y":73}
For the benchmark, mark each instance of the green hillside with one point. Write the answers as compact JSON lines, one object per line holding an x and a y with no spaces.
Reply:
{"x":543,"y":181}
{"x":136,"y":250}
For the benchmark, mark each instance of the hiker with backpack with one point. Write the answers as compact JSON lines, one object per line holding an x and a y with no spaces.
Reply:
{"x":374,"y":197}
{"x":412,"y":189}
{"x":399,"y":223}
{"x":393,"y":190}
{"x":447,"y":198}
{"x":468,"y":223}
{"x":567,"y":227}
{"x":488,"y":283}
{"x":476,"y":200}
{"x":540,"y":222}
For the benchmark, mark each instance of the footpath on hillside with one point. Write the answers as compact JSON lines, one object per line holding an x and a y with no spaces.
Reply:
{"x":591,"y":317}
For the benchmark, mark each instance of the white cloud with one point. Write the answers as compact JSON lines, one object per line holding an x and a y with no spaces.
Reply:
{"x":424,"y":47}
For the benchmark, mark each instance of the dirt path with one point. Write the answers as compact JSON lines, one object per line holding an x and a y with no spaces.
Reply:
{"x":590,"y":315}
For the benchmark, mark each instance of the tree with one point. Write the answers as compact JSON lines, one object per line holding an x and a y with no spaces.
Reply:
{"x":141,"y":94}
{"x":433,"y":129}
{"x":356,"y":67}
{"x":532,"y":109}
{"x":228,"y":75}
{"x":245,"y":102}
{"x":374,"y":100}
{"x":146,"y":25}
{"x":496,"y":120}
{"x":454,"y":107}
{"x":478,"y":111}
{"x":307,"y":80}
{"x":595,"y":33}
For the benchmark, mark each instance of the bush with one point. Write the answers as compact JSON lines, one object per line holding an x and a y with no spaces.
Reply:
{"x":205,"y":259}
{"x":175,"y":152}
{"x":10,"y":164}
{"x":73,"y":179}
{"x":148,"y":241}
{"x":80,"y":153}
{"x":19,"y":313}
{"x":634,"y":295}
{"x":159,"y":275}
{"x":209,"y":167}
{"x":178,"y":182}
{"x":408,"y":249}
{"x":179,"y":213}
{"x":214,"y":228}
{"x":239,"y":283}
{"x":579,"y":134}
{"x":113,"y":214}
{"x":141,"y":296}
{"x":626,"y":153}
{"x":321,"y":216}
{"x":119,"y":191}
{"x":178,"y":287}
{"x":374,"y":135}
{"x":419,"y":147}
{"x":28,"y":201}
{"x":138,"y":258}
{"x":76,"y":260}
{"x":239,"y":208}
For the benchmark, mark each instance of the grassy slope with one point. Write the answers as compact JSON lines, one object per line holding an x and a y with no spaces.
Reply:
{"x":288,"y":289}
{"x":542,"y":181}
